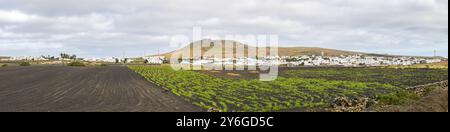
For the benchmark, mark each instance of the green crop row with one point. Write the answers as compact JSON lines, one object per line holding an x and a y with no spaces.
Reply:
{"x":283,"y":94}
{"x":397,"y":77}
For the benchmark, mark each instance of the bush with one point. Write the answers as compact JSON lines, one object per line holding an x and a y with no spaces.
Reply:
{"x":4,"y":65}
{"x":103,"y":65}
{"x":399,"y":98}
{"x":25,"y":64}
{"x":76,"y":63}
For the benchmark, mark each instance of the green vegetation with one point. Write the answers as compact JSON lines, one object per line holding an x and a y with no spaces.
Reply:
{"x":397,"y":77}
{"x":103,"y":64}
{"x":283,"y":94}
{"x":398,"y":98}
{"x":76,"y":63}
{"x":4,"y":65}
{"x":25,"y":64}
{"x":440,"y":65}
{"x":67,"y":56}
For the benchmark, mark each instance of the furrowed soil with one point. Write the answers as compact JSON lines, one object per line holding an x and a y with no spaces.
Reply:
{"x":98,"y":89}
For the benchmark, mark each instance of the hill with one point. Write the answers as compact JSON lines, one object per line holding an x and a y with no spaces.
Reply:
{"x":234,"y":47}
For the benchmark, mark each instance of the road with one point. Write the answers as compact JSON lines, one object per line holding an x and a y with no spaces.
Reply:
{"x":83,"y":89}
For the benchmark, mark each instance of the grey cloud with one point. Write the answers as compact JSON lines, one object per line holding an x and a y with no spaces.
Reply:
{"x":109,"y":27}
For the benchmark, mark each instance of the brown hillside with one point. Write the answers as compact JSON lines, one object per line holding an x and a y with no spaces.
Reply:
{"x":208,"y":50}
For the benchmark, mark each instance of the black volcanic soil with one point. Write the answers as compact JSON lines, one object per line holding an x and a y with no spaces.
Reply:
{"x":103,"y":89}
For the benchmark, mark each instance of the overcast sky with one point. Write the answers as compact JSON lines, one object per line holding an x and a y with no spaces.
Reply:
{"x":101,"y":28}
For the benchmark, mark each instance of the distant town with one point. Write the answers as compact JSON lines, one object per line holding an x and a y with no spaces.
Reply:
{"x":290,"y":61}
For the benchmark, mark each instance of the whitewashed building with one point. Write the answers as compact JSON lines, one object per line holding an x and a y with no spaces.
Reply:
{"x":155,"y":59}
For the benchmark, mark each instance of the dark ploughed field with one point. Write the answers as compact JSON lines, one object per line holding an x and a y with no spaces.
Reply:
{"x":57,"y":88}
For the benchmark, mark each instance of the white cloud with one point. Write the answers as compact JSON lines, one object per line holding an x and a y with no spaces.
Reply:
{"x":15,"y":16}
{"x":105,"y":27}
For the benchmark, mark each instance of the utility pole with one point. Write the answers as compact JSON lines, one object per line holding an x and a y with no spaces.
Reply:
{"x":123,"y":56}
{"x":62,"y":58}
{"x":435,"y":54}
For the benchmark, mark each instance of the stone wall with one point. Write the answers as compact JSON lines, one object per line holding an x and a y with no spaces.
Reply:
{"x":422,"y":90}
{"x":359,"y":104}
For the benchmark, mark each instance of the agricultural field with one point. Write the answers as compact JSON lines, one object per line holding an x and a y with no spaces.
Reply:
{"x":83,"y":89}
{"x":401,"y":77}
{"x":439,"y":65}
{"x":295,"y":90}
{"x":161,"y":89}
{"x":404,"y":78}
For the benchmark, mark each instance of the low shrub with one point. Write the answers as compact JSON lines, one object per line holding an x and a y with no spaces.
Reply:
{"x":25,"y":64}
{"x":4,"y":65}
{"x":399,"y":98}
{"x":76,"y":63}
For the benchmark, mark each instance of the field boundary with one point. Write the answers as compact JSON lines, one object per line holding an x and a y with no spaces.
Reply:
{"x":422,"y":90}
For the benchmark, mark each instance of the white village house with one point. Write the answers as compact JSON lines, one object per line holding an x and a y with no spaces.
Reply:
{"x":347,"y":61}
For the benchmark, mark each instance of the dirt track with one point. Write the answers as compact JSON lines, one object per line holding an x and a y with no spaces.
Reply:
{"x":56,"y":88}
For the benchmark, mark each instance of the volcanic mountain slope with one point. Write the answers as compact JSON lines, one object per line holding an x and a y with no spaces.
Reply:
{"x":237,"y":49}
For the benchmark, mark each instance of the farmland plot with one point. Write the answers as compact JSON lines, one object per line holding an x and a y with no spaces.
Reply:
{"x":57,"y":88}
{"x":283,"y":94}
{"x":398,"y":77}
